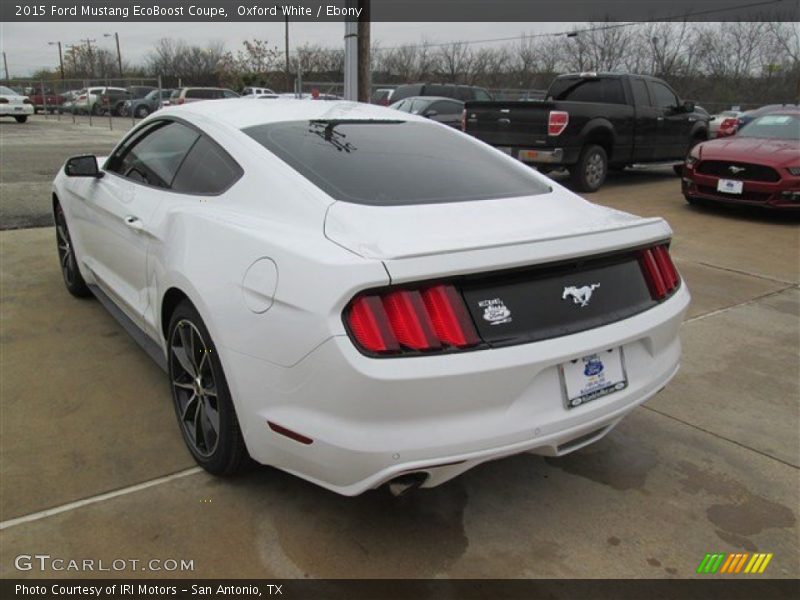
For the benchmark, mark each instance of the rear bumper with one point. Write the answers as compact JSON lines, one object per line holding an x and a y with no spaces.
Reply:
{"x":373,"y":419}
{"x":781,"y":195}
{"x":545,"y":156}
{"x":15,"y":110}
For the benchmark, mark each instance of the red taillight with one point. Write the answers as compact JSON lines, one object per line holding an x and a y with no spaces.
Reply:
{"x":659,"y":271}
{"x":557,"y":122}
{"x":429,"y":319}
{"x":27,"y":101}
{"x":370,"y":325}
{"x":3,"y":100}
{"x":449,"y":316}
{"x":181,"y":101}
{"x":410,"y":321}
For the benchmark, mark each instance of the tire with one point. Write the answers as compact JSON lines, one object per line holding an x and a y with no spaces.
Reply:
{"x":591,"y":169}
{"x":21,"y":118}
{"x":203,"y":406}
{"x":73,"y":280}
{"x":141,"y":112}
{"x":95,"y":110}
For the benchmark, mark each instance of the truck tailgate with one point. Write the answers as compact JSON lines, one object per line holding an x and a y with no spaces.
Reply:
{"x":508,"y":123}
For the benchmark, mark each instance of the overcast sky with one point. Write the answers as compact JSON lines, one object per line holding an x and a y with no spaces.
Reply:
{"x":25,"y":44}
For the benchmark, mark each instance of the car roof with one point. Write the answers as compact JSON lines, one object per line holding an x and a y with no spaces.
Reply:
{"x":241,"y":113}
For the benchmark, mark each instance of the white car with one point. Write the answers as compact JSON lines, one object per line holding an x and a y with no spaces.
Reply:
{"x":14,"y":105}
{"x":256,"y":91}
{"x":717,"y":120}
{"x":361,"y":296}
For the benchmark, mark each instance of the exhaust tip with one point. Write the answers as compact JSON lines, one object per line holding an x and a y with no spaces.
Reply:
{"x":403,"y":484}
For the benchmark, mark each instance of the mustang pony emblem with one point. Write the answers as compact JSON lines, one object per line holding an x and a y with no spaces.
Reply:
{"x":580,"y":295}
{"x":734,"y":169}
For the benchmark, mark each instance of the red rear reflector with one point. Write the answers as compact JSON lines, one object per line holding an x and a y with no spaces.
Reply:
{"x":370,"y":325}
{"x":449,"y":316}
{"x":410,"y":321}
{"x":557,"y":122}
{"x":292,"y":435}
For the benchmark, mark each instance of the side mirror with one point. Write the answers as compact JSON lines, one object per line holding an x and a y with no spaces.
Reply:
{"x":688,"y":106}
{"x":83,"y":166}
{"x":430,"y":113}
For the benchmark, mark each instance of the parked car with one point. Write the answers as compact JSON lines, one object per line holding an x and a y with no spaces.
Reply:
{"x":441,"y":110}
{"x":99,"y":100}
{"x":381,"y":96}
{"x":591,"y":122}
{"x":142,"y":107}
{"x":440,"y":307}
{"x":195,"y":94}
{"x":304,"y":96}
{"x":14,"y":105}
{"x":721,"y":124}
{"x":256,"y":91}
{"x":68,"y":100}
{"x":750,"y":115}
{"x":44,"y":100}
{"x":446,"y":90}
{"x":759,"y":166}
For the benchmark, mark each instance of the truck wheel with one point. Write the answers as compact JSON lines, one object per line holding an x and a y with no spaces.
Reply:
{"x":591,"y":169}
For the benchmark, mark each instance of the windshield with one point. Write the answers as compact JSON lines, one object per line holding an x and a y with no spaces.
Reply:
{"x":389,"y":163}
{"x":773,"y":127}
{"x":7,"y":91}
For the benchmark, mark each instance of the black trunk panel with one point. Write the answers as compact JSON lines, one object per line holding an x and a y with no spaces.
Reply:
{"x":537,"y":304}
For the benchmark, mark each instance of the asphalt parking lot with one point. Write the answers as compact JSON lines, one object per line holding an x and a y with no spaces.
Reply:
{"x":92,"y":464}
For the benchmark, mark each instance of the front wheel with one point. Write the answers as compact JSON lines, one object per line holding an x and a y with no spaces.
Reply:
{"x":73,"y":279}
{"x":203,"y":404}
{"x":591,"y":170}
{"x":142,"y":112}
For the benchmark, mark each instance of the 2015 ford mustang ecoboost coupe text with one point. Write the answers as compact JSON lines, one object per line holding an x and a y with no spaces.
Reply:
{"x":361,"y":296}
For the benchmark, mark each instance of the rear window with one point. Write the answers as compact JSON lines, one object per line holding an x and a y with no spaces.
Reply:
{"x":607,"y":90}
{"x":390,"y":163}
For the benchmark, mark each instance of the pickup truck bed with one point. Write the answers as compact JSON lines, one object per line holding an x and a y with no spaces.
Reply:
{"x":590,"y":123}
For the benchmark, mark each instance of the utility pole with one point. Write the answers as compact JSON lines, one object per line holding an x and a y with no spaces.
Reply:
{"x":119,"y":54}
{"x":288,"y":76}
{"x":350,"y":55}
{"x":364,"y":78}
{"x":60,"y":57}
{"x":5,"y":64}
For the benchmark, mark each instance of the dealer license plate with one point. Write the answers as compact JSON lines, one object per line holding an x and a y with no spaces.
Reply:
{"x":593,"y":377}
{"x":729,"y":186}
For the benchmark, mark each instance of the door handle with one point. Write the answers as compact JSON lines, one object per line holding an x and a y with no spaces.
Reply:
{"x":504,"y":121}
{"x":134,"y":222}
{"x":659,"y":118}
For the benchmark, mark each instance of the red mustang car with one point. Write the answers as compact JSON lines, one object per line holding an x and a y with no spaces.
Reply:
{"x":759,"y":166}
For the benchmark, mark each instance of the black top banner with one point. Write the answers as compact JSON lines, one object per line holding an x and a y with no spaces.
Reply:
{"x":399,"y":10}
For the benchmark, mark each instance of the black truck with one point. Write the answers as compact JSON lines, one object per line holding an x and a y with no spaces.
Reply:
{"x":590,"y":123}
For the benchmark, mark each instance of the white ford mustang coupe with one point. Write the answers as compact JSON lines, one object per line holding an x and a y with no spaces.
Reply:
{"x":360,"y":296}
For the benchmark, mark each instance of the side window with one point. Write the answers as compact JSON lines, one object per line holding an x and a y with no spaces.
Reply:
{"x":153,"y":158}
{"x":443,"y":107}
{"x":663,"y":96}
{"x":640,"y":95}
{"x":482,"y":95}
{"x":208,"y":169}
{"x":230,"y":94}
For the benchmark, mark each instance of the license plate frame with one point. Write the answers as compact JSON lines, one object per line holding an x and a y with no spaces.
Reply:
{"x":593,"y":376}
{"x":730,"y":186}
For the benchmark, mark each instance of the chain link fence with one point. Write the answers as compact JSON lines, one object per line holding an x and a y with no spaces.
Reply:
{"x":95,"y":102}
